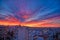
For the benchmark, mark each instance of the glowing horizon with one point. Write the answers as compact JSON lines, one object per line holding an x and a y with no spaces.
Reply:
{"x":43,"y":23}
{"x":31,"y":13}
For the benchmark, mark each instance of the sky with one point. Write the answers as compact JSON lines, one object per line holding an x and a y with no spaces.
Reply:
{"x":32,"y":13}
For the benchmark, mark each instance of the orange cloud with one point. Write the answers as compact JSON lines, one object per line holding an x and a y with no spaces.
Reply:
{"x":52,"y":22}
{"x":43,"y":23}
{"x":10,"y":23}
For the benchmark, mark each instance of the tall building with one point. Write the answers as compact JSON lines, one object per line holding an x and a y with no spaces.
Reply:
{"x":25,"y":33}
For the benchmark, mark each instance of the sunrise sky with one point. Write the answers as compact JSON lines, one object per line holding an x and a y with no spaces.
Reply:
{"x":32,"y":13}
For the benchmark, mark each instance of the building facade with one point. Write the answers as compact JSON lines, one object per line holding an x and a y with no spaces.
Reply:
{"x":25,"y":33}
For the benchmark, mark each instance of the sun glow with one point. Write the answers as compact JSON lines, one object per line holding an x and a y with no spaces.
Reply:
{"x":43,"y":23}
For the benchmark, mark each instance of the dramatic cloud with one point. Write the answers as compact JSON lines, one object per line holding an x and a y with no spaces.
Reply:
{"x":32,"y":13}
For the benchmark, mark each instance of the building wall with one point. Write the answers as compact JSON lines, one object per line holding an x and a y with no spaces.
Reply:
{"x":24,"y":33}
